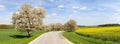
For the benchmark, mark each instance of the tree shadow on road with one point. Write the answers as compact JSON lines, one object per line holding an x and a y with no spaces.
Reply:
{"x":19,"y":36}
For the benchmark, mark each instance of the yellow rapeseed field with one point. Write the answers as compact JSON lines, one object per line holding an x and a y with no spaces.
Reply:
{"x":104,"y":33}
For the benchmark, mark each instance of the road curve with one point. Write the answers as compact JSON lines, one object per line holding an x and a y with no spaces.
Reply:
{"x":54,"y":37}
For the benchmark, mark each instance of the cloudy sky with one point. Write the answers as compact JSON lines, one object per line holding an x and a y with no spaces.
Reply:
{"x":84,"y":12}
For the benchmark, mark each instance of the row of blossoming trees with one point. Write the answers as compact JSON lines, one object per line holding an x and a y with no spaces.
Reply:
{"x":27,"y":19}
{"x":68,"y":26}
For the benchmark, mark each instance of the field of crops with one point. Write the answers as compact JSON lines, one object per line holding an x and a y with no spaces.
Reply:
{"x":104,"y":33}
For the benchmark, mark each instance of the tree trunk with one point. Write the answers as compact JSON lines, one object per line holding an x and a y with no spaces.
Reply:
{"x":29,"y":25}
{"x":28,"y":32}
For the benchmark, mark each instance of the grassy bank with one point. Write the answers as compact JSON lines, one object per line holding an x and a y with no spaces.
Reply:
{"x":11,"y":36}
{"x":101,"y":35}
{"x":78,"y":39}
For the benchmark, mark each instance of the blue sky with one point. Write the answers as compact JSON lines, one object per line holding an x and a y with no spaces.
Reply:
{"x":84,"y":12}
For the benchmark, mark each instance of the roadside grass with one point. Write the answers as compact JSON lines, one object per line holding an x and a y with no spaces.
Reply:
{"x":78,"y":39}
{"x":11,"y":36}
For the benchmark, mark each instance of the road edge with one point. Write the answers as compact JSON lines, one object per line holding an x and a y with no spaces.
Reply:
{"x":36,"y":38}
{"x":66,"y":38}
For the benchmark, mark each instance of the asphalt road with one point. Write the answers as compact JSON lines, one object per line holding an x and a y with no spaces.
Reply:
{"x":54,"y":37}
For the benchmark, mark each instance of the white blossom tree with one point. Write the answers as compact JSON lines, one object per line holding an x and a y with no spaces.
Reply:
{"x":28,"y":18}
{"x":53,"y":26}
{"x":70,"y":25}
{"x":57,"y":26}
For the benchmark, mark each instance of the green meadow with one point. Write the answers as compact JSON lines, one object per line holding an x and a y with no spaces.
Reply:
{"x":12,"y":36}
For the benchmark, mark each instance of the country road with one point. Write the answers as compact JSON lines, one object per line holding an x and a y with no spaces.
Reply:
{"x":54,"y":37}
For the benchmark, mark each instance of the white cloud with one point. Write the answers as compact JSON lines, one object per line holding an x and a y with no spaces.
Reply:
{"x":118,"y":10}
{"x":2,"y":7}
{"x":47,"y":16}
{"x":51,"y":15}
{"x":75,"y":7}
{"x":36,"y":7}
{"x":80,"y":7}
{"x":61,"y":6}
{"x":83,"y":8}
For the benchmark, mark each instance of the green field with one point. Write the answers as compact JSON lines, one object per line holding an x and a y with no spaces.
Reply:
{"x":11,"y":36}
{"x":94,"y":35}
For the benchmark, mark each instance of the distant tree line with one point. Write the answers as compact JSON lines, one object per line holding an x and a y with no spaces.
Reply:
{"x":2,"y":26}
{"x":106,"y":25}
{"x":102,"y":25}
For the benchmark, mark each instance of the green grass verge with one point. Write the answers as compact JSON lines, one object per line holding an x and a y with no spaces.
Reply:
{"x":10,"y":36}
{"x":78,"y":39}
